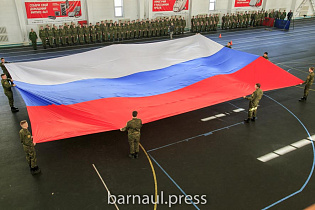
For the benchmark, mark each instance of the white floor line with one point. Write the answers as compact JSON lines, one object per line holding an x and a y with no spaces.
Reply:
{"x":301,"y":143}
{"x":284,"y":150}
{"x":105,"y":186}
{"x":268,"y":157}
{"x":313,"y":138}
{"x":220,"y":115}
{"x":208,"y":118}
{"x":238,"y":110}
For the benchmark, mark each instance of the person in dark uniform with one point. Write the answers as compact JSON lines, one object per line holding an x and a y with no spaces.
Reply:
{"x":8,"y":92}
{"x":4,"y":69}
{"x":290,"y":15}
{"x":253,"y":103}
{"x":29,"y":147}
{"x":265,"y":55}
{"x":171,"y":30}
{"x":33,"y":37}
{"x":133,"y":127}
{"x":42,"y":36}
{"x":308,"y":83}
{"x":229,"y":45}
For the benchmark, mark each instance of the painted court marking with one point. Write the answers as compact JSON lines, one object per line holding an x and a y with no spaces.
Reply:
{"x":105,"y":186}
{"x":194,"y":137}
{"x":174,"y":182}
{"x":154,"y":177}
{"x":268,"y":157}
{"x":301,"y":143}
{"x":313,"y":165}
{"x":285,"y":150}
{"x":221,"y":115}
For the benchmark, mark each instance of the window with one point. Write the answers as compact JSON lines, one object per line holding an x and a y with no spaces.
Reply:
{"x":118,"y":8}
{"x":212,"y":5}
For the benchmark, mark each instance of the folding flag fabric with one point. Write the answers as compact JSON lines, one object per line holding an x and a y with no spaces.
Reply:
{"x":96,"y":91}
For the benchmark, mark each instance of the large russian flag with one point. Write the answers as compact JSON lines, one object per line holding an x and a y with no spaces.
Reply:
{"x":96,"y":91}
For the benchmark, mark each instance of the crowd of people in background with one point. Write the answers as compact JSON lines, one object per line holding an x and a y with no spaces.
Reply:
{"x":109,"y":31}
{"x":205,"y":23}
{"x":106,"y":31}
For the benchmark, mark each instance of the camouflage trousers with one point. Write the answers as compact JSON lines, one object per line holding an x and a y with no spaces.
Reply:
{"x":306,"y":90}
{"x":57,"y":41}
{"x":43,"y":41}
{"x":9,"y":94}
{"x":63,"y":40}
{"x":134,"y":141}
{"x":51,"y":40}
{"x":34,"y":44}
{"x":252,"y":111}
{"x":30,"y":156}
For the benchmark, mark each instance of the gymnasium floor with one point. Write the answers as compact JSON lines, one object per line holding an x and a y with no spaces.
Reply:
{"x":216,"y":158}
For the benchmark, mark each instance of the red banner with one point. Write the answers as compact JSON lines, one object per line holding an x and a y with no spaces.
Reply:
{"x":248,"y":3}
{"x":170,"y":5}
{"x":53,"y":10}
{"x":269,"y":22}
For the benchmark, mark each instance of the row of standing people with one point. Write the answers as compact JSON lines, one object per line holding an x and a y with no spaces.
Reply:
{"x":204,"y":23}
{"x":106,"y":31}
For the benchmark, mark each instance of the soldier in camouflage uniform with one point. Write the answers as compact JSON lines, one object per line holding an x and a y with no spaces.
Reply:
{"x":42,"y":36}
{"x":62,"y":34}
{"x":265,"y":56}
{"x":110,"y":31}
{"x":57,"y":36}
{"x":308,"y":83}
{"x":4,"y":69}
{"x":216,"y":22}
{"x":50,"y":36}
{"x":133,"y":127}
{"x":33,"y":37}
{"x":69,"y":35}
{"x":87,"y":34}
{"x":223,"y":25}
{"x":183,"y":25}
{"x":74,"y":34}
{"x":228,"y":21}
{"x":245,"y":23}
{"x":114,"y":31}
{"x":98,"y":32}
{"x":80,"y":34}
{"x":253,"y":103}
{"x":29,"y":147}
{"x":102,"y":27}
{"x":8,"y":92}
{"x":93,"y":34}
{"x":272,"y":14}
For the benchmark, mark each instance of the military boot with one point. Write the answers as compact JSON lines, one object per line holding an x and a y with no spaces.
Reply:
{"x":132,"y":156}
{"x":302,"y":99}
{"x":247,"y":120}
{"x":136,"y":155}
{"x":253,"y":119}
{"x":35,"y":170}
{"x":13,"y":109}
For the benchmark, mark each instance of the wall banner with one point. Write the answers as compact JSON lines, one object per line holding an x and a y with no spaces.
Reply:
{"x":55,"y":11}
{"x":248,"y":3}
{"x":170,"y":5}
